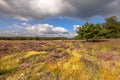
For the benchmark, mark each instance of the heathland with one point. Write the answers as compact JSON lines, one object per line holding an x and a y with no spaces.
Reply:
{"x":60,"y":60}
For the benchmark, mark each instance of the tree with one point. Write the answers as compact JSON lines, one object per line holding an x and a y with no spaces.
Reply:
{"x":109,"y":29}
{"x":113,"y":26}
{"x":89,"y":31}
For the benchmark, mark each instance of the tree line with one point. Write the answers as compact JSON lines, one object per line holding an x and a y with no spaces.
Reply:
{"x":109,"y":29}
{"x":32,"y":38}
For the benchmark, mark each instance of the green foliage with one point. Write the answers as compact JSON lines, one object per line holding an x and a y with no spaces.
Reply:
{"x":112,"y":25}
{"x":109,"y":29}
{"x":32,"y":38}
{"x":89,"y":31}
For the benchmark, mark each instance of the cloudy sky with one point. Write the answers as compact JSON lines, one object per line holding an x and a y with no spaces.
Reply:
{"x":52,"y":17}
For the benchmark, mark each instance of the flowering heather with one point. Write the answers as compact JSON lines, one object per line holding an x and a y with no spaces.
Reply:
{"x":106,"y":56}
{"x":60,"y":60}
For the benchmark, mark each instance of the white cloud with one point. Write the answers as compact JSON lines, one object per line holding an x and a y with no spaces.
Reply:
{"x":31,"y":9}
{"x":46,"y":29}
{"x":24,"y":24}
{"x":41,"y":30}
{"x":6,"y":33}
{"x":40,"y":9}
{"x":75,"y":27}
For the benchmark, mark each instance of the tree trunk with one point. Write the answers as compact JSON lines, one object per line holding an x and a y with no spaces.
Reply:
{"x":87,"y":40}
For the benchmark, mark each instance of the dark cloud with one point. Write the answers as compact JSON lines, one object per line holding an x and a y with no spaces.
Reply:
{"x":41,"y":9}
{"x":90,"y":8}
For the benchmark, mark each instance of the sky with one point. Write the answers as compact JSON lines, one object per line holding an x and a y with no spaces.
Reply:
{"x":51,"y":18}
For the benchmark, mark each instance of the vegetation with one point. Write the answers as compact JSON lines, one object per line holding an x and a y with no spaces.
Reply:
{"x":63,"y":60}
{"x":32,"y":38}
{"x":109,"y":29}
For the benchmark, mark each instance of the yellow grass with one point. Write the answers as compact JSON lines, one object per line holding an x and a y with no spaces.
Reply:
{"x":81,"y":64}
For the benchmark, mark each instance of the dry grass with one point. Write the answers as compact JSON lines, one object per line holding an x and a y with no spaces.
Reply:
{"x":63,"y":60}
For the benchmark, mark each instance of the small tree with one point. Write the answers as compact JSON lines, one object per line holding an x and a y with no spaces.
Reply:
{"x":89,"y":31}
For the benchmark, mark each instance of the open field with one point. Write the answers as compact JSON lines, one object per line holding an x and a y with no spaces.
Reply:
{"x":60,"y":60}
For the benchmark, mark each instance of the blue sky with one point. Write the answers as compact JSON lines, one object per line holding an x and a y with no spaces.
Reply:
{"x":67,"y":23}
{"x":52,"y":17}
